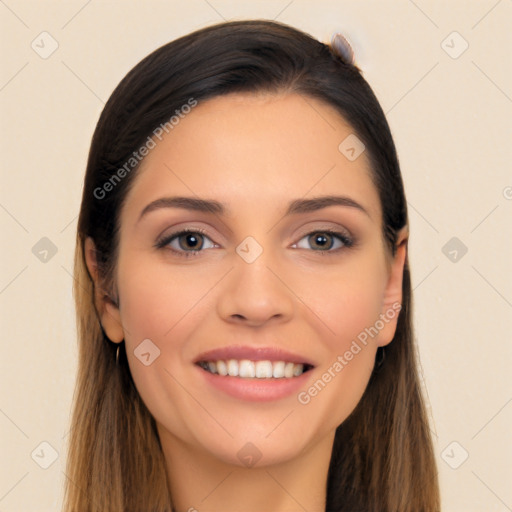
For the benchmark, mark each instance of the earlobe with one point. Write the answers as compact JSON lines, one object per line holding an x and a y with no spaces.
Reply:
{"x":392,"y":300}
{"x":108,"y":311}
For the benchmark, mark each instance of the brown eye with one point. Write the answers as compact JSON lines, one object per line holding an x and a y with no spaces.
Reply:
{"x":321,"y":240}
{"x":186,"y":242}
{"x":190,"y":241}
{"x":325,"y":241}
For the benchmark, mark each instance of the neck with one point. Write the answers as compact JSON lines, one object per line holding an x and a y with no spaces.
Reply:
{"x":200,"y":482}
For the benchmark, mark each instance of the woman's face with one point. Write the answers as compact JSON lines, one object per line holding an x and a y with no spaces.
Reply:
{"x":265,"y":274}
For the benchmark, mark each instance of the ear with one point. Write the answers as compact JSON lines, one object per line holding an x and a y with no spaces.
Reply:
{"x":107,"y":309}
{"x":392,"y":299}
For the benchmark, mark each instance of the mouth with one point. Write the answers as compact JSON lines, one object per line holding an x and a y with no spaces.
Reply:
{"x":249,"y":369}
{"x":254,"y":373}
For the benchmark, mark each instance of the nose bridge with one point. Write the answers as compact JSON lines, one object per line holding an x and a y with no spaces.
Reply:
{"x":254,"y":291}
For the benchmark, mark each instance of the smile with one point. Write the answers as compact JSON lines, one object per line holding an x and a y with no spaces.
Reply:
{"x":247,"y":369}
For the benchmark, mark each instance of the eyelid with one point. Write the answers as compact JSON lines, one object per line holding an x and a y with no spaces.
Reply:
{"x":329,"y":228}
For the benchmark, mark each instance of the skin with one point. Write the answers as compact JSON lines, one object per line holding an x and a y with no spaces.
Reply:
{"x":255,"y":153}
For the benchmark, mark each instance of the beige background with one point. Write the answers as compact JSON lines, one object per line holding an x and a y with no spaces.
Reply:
{"x":451,"y":121}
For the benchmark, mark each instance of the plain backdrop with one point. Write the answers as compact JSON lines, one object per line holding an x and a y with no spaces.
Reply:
{"x":441,"y":71}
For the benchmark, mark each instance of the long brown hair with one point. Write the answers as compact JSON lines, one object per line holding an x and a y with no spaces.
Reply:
{"x":382,"y":458}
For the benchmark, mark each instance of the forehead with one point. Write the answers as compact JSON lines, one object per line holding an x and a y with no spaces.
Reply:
{"x":259,"y":149}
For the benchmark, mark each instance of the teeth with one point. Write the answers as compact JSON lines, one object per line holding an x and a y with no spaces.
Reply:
{"x":263,"y":369}
{"x":288,"y":370}
{"x":246,"y":369}
{"x":297,"y":370}
{"x":278,"y":369}
{"x":254,"y":369}
{"x":222,"y":369}
{"x":233,"y":368}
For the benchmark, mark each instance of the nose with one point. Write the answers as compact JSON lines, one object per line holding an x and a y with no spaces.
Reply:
{"x":256,"y":293}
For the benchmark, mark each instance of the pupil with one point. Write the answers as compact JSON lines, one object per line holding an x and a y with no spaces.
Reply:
{"x":193,"y":239}
{"x":320,"y":240}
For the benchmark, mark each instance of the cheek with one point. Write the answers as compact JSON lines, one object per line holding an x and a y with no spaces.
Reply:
{"x":164,"y":307}
{"x":157,"y":301}
{"x":349,"y":304}
{"x":348,"y":300}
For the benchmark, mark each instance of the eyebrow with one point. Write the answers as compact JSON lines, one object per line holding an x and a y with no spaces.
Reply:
{"x":295,"y":207}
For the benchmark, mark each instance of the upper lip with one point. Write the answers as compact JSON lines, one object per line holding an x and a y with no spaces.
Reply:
{"x":253,"y":354}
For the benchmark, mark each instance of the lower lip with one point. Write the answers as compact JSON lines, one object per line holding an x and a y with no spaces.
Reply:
{"x":256,"y":390}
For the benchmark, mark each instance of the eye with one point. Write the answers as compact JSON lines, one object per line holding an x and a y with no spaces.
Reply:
{"x":190,"y":242}
{"x":186,"y":243}
{"x":325,"y":241}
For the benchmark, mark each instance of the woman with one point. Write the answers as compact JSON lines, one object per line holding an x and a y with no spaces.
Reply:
{"x":242,"y":288}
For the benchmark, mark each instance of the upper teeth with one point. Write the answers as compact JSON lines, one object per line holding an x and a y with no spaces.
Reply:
{"x":259,"y":369}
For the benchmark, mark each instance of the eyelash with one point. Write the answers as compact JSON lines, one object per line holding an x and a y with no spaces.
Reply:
{"x":163,"y":242}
